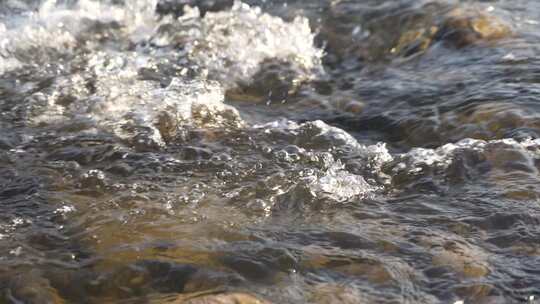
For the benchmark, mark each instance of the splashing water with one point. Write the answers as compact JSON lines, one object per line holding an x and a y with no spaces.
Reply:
{"x":297,"y":152}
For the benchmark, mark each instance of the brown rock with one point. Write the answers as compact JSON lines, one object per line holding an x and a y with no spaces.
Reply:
{"x":32,"y":288}
{"x":217,"y":298}
{"x":167,"y":125}
{"x":462,"y":28}
{"x":333,"y":293}
{"x":414,"y":41}
{"x":464,"y":260}
{"x":474,"y":291}
{"x":458,"y":27}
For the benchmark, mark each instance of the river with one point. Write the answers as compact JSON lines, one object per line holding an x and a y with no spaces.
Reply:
{"x":323,"y":151}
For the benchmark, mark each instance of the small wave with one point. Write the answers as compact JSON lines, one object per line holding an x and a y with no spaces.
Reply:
{"x":122,"y":86}
{"x":120,"y":101}
{"x":232,"y":44}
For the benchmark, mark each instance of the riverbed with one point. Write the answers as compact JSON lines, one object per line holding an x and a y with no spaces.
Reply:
{"x":344,"y":151}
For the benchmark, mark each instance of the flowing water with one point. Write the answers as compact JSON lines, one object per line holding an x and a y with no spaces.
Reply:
{"x":323,"y":151}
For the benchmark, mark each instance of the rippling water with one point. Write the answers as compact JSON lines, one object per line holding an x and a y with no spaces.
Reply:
{"x":345,"y":151}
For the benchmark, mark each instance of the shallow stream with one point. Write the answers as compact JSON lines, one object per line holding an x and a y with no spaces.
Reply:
{"x":323,"y":151}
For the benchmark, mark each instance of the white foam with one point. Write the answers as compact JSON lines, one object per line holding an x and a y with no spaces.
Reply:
{"x":318,"y":142}
{"x":121,"y":98}
{"x":232,"y":44}
{"x":444,"y":156}
{"x":323,"y":136}
{"x":340,"y":185}
{"x":55,"y":28}
{"x":229,"y":44}
{"x":7,"y":229}
{"x":65,"y":209}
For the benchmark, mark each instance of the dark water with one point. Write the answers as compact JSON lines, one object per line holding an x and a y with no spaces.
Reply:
{"x":349,"y":151}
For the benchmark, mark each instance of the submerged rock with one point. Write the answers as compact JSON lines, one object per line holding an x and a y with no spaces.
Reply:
{"x":144,"y":277}
{"x":459,"y":28}
{"x":490,"y":120}
{"x":325,"y":293}
{"x":462,"y":258}
{"x":373,"y":33}
{"x":476,"y":292}
{"x":219,"y":298}
{"x":463,"y":27}
{"x":275,"y":81}
{"x":30,"y":288}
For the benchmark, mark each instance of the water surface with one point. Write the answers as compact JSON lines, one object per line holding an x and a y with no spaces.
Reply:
{"x":350,"y":151}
